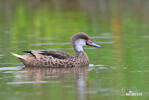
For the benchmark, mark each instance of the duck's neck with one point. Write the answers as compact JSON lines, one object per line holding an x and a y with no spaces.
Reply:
{"x":80,"y":54}
{"x":77,"y":54}
{"x":78,"y":45}
{"x":78,"y":50}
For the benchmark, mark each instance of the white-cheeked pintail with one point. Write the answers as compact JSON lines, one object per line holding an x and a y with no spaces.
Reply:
{"x":35,"y":58}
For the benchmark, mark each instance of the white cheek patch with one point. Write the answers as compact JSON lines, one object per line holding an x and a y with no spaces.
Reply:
{"x":79,"y":44}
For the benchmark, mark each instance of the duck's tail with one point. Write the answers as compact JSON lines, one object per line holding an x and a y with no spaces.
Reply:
{"x":19,"y":56}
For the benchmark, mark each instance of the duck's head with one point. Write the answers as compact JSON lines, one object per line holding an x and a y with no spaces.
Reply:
{"x":81,"y":39}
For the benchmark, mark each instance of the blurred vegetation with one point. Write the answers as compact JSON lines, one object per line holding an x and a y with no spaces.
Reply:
{"x":121,"y":27}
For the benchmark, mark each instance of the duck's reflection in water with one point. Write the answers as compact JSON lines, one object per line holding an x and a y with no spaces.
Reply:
{"x":77,"y":74}
{"x":80,"y":84}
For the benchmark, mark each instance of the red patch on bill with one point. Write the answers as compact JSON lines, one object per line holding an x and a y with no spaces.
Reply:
{"x":88,"y":42}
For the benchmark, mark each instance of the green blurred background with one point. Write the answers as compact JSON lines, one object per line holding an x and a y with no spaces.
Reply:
{"x":120,"y":66}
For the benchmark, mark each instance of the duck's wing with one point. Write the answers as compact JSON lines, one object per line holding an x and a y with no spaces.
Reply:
{"x":55,"y":54}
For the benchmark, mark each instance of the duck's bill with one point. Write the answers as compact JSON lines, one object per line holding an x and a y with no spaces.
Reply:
{"x":89,"y":43}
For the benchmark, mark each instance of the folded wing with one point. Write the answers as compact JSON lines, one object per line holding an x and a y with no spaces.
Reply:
{"x":54,"y":54}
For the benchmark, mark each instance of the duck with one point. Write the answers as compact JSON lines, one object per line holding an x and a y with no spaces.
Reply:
{"x":54,"y":59}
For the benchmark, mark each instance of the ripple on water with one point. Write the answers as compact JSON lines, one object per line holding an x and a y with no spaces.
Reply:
{"x":1,"y":56}
{"x":92,"y":65}
{"x":45,"y":38}
{"x":141,"y":71}
{"x":40,"y":44}
{"x":19,"y":42}
{"x":9,"y":63}
{"x":104,"y":91}
{"x":104,"y":37}
{"x":105,"y":42}
{"x":98,"y":66}
{"x":27,"y":82}
{"x":102,"y":67}
{"x":32,"y":82}
{"x":146,"y":37}
{"x":11,"y":68}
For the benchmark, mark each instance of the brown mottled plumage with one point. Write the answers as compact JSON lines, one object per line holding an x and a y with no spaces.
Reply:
{"x":35,"y":58}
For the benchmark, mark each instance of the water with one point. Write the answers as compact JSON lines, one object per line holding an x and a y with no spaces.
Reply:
{"x":118,"y":69}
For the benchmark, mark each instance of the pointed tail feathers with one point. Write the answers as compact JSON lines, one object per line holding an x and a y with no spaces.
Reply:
{"x":19,"y":56}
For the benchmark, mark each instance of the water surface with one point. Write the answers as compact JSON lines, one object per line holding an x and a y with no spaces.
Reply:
{"x":118,"y":68}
